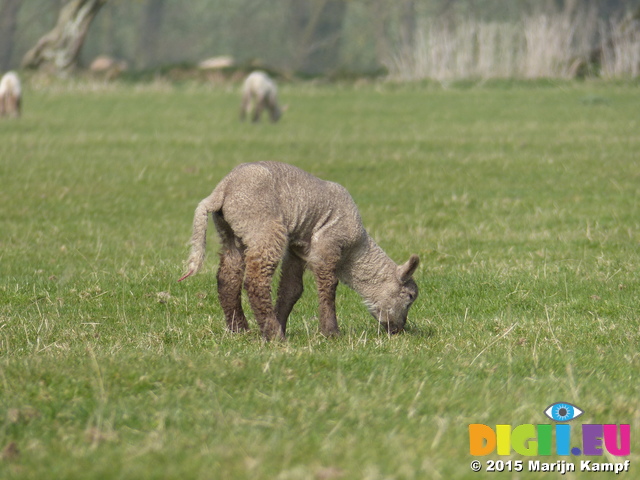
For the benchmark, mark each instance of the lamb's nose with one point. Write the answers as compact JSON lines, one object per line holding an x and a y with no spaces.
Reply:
{"x":395,"y":329}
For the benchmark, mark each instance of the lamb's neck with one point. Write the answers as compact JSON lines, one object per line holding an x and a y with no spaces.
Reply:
{"x":367,"y":269}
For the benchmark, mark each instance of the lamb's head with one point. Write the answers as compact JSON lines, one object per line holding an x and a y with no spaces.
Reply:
{"x":275,"y":112}
{"x":394,"y":297}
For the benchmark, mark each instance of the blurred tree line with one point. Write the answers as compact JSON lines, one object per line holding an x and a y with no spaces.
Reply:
{"x":303,"y":36}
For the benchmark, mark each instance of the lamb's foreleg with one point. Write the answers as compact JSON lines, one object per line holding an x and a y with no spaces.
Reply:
{"x":14,"y":106}
{"x":258,"y":107}
{"x":230,"y":276}
{"x":245,"y":106}
{"x":327,"y":284}
{"x":290,"y":288}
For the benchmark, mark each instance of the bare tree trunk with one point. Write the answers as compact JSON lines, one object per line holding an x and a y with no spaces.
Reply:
{"x":380,"y":18}
{"x":389,"y":42}
{"x":317,"y":30}
{"x":148,"y":40}
{"x":8,"y":22}
{"x":408,"y":23}
{"x":58,"y":50}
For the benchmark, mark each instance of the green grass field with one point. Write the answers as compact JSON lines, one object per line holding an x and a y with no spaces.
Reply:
{"x":522,"y":200}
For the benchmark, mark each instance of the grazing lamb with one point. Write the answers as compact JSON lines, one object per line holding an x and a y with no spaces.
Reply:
{"x":268,"y":212}
{"x":258,"y":89}
{"x":10,"y":95}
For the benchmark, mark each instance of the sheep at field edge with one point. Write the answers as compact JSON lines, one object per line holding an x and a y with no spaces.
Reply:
{"x":269,"y":212}
{"x":260,"y":92}
{"x":10,"y":95}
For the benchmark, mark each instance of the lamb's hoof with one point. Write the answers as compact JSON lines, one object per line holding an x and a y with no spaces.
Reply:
{"x":330,"y":333}
{"x":273,"y":331}
{"x":239,"y":329}
{"x":276,"y":337}
{"x":239,"y":326}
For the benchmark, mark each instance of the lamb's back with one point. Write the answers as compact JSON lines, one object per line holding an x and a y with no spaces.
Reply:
{"x":10,"y":83}
{"x":270,"y":191}
{"x":258,"y":83}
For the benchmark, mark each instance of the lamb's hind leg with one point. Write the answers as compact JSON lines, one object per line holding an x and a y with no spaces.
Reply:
{"x":261,"y":262}
{"x":290,"y":288}
{"x":230,"y":276}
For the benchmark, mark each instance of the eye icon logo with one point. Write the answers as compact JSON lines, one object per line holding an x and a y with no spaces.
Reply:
{"x":562,"y":412}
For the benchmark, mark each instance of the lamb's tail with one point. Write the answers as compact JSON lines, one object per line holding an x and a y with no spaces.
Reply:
{"x":210,"y":204}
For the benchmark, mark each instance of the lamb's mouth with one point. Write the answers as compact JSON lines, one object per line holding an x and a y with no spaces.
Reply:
{"x":392,"y":328}
{"x":395,"y":329}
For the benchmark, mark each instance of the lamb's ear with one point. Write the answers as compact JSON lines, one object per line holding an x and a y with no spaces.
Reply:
{"x":405,"y":272}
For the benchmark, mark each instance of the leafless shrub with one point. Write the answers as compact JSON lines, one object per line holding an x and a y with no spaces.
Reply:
{"x":621,"y":53}
{"x":541,"y":45}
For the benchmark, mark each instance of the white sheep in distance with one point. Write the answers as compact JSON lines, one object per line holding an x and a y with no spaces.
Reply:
{"x":260,"y":92}
{"x":10,"y":95}
{"x":268,"y":212}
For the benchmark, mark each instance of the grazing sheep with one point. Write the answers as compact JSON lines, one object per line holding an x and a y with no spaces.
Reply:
{"x":10,"y":95}
{"x":260,"y":92}
{"x":268,"y":212}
